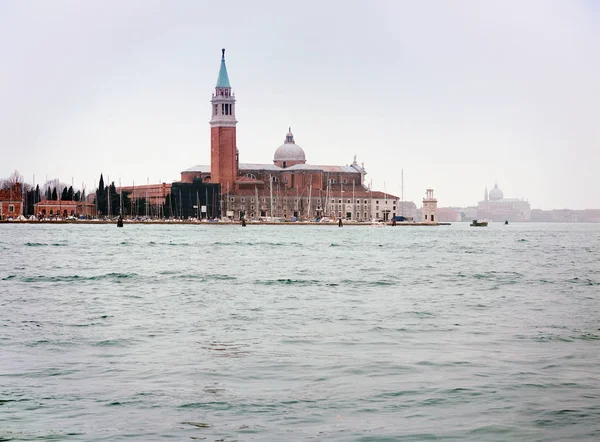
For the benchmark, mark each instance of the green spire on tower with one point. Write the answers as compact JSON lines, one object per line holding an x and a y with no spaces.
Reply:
{"x":223,"y":80}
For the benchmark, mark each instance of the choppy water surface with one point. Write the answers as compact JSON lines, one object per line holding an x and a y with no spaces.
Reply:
{"x":272,"y":333}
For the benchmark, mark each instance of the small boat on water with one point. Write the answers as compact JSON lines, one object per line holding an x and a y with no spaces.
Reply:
{"x":476,"y":223}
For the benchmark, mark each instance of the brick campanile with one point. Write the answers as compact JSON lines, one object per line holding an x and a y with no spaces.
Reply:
{"x":223,"y":146}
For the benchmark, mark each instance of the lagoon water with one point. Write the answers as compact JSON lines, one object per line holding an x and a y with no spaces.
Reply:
{"x":273,"y":333}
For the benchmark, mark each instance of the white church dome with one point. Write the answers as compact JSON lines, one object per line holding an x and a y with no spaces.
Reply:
{"x":496,"y":194}
{"x":289,"y":151}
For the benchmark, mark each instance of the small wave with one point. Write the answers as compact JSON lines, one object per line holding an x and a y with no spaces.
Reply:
{"x":585,"y":281}
{"x":287,"y":281}
{"x":112,"y":343}
{"x":35,"y":244}
{"x":74,"y":278}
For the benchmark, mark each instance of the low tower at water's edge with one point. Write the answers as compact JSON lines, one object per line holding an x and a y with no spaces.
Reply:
{"x":429,"y":207}
{"x":223,"y":146}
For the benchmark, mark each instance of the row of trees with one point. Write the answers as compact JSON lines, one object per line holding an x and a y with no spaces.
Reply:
{"x":106,"y":197}
{"x":67,"y":194}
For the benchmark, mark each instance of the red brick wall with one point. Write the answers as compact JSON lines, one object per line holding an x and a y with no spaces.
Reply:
{"x":223,"y":164}
{"x":18,"y":209}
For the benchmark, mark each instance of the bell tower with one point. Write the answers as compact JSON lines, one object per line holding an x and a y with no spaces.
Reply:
{"x":223,"y":146}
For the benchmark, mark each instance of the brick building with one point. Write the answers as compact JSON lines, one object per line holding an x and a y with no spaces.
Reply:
{"x":11,"y":202}
{"x":288,"y":186}
{"x":64,"y":209}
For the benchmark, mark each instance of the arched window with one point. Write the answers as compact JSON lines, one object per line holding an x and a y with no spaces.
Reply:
{"x":251,"y":175}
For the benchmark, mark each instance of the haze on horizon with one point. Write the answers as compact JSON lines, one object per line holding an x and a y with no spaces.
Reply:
{"x":459,"y":94}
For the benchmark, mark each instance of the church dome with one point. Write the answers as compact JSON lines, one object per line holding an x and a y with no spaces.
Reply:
{"x":289,"y":151}
{"x":496,"y":194}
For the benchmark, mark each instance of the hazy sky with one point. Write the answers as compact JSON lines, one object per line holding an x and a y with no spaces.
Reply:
{"x":459,"y":94}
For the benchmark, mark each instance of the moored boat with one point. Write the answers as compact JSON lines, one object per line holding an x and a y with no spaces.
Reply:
{"x":476,"y":223}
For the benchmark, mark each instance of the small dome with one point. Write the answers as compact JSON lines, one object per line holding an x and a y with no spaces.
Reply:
{"x":289,"y":151}
{"x":496,"y":194}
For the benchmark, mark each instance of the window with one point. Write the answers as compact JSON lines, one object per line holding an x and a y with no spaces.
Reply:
{"x":275,"y":179}
{"x":285,"y":201}
{"x":296,"y":200}
{"x":431,"y":217}
{"x":339,"y":201}
{"x":376,"y":202}
{"x":264,"y":200}
{"x":348,"y":201}
{"x":365,"y":201}
{"x":331,"y":181}
{"x":376,"y":207}
{"x":251,"y":200}
{"x":232,"y":199}
{"x":251,"y":175}
{"x":252,"y":207}
{"x":285,"y":179}
{"x":377,"y":215}
{"x":11,"y":208}
{"x":425,"y":217}
{"x":345,"y":181}
{"x":394,"y":208}
{"x":243,"y":200}
{"x":358,"y":201}
{"x":365,"y":215}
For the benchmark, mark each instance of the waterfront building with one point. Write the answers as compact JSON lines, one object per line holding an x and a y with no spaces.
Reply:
{"x":11,"y":202}
{"x":64,"y":208}
{"x":495,"y":207}
{"x":287,"y":187}
{"x":449,"y":214}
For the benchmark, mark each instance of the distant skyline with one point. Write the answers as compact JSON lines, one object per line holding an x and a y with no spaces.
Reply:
{"x":459,"y":94}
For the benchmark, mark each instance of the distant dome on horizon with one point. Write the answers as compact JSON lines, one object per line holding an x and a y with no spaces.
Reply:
{"x":496,"y":194}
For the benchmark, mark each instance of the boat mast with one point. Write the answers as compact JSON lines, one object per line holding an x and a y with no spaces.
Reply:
{"x":353,"y":202}
{"x":327,"y":197}
{"x":402,"y":194}
{"x":108,"y":197}
{"x":257,"y":205}
{"x":309,"y":196}
{"x":271,"y":194}
{"x":120,"y":198}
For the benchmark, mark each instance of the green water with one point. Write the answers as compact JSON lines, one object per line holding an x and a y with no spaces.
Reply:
{"x":271,"y":333}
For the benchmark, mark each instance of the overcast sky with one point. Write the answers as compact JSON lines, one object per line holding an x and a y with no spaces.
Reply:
{"x":459,"y":94}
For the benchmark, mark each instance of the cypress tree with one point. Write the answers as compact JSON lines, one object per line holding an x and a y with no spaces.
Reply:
{"x":100,"y":195}
{"x":70,"y":193}
{"x":54,"y":195}
{"x":65,"y":194}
